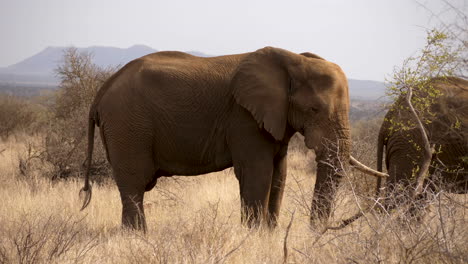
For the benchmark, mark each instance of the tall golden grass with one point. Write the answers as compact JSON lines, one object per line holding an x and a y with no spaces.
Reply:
{"x":197,"y":220}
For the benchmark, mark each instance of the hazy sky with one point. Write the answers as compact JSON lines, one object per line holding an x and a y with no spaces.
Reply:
{"x":367,"y":38}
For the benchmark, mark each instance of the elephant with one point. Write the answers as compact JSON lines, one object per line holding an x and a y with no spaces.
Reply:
{"x":447,"y":131}
{"x":171,"y":113}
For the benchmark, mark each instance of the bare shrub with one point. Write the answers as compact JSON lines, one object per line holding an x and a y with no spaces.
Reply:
{"x":364,"y":137}
{"x":432,"y":229}
{"x":64,"y":144}
{"x":429,"y":230}
{"x":300,"y":193}
{"x":32,"y":165}
{"x":45,"y":240}
{"x":206,"y":237}
{"x":80,"y":79}
{"x":65,"y":149}
{"x":25,"y":161}
{"x":3,"y":254}
{"x":16,"y":114}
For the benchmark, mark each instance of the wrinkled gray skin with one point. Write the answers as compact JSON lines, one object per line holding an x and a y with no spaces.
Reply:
{"x":171,"y":113}
{"x":451,"y":143}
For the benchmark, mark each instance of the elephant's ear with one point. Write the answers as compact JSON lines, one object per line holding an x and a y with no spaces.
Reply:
{"x":261,"y":85}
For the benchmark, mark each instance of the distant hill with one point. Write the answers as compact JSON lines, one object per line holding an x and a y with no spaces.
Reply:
{"x":366,"y":90}
{"x":38,"y":70}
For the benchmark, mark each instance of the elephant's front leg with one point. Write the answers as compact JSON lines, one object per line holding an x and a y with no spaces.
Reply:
{"x":252,"y":151}
{"x":277,"y":186}
{"x":255,"y":181}
{"x":253,"y":156}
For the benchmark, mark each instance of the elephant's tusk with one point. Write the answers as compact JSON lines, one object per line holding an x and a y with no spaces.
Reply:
{"x":363,"y":168}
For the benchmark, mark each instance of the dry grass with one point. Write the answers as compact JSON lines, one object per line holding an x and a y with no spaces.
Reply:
{"x":197,"y":220}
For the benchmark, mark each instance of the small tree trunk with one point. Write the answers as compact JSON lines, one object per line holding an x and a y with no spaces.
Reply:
{"x":428,"y":149}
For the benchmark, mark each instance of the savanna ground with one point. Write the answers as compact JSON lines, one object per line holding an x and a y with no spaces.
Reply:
{"x":197,"y":219}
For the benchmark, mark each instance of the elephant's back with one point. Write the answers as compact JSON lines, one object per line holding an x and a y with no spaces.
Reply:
{"x":171,"y":77}
{"x":185,"y":65}
{"x":177,"y":101}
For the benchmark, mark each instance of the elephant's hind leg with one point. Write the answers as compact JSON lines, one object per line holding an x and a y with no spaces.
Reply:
{"x":133,"y":215}
{"x":152,"y":183}
{"x":133,"y":177}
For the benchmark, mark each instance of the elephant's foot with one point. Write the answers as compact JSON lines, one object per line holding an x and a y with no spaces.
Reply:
{"x":272,"y":220}
{"x":254,"y":217}
{"x":133,"y":215}
{"x":135,"y":223}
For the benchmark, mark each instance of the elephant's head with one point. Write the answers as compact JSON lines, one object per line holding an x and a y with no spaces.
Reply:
{"x":303,"y":92}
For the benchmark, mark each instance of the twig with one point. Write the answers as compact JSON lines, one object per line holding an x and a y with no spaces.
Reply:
{"x":285,"y":243}
{"x":303,"y":254}
{"x":362,"y":212}
{"x":234,"y":249}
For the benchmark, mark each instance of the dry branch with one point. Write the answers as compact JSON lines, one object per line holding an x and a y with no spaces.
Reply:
{"x":285,"y":243}
{"x":428,"y":149}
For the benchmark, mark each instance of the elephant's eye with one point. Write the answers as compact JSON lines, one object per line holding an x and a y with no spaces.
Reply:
{"x":313,"y":110}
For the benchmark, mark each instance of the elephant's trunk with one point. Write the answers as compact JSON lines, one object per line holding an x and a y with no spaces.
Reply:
{"x":333,"y":158}
{"x":324,"y":206}
{"x":332,"y":165}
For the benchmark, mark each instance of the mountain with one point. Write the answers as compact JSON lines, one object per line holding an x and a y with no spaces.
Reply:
{"x":38,"y":70}
{"x":44,"y":62}
{"x":366,"y":90}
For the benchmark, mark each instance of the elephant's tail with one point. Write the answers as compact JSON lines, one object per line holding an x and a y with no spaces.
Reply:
{"x":86,"y":191}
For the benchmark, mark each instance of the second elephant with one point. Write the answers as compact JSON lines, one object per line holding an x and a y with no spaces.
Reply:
{"x":447,"y":129}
